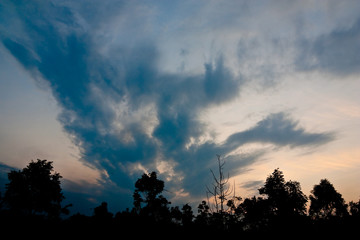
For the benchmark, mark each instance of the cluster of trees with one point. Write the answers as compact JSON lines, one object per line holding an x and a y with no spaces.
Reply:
{"x":34,"y":195}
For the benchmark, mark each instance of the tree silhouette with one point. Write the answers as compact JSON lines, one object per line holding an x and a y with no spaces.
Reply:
{"x":203,"y":214}
{"x":355,"y":208}
{"x":176,"y":215}
{"x":326,"y":202}
{"x":255,"y":213}
{"x":220,"y":188}
{"x":187,"y":215}
{"x":284,"y":198}
{"x":33,"y":198}
{"x":102,"y":214}
{"x":147,"y":192}
{"x":35,"y":190}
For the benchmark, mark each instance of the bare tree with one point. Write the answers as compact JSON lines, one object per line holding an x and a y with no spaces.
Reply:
{"x":221,"y":189}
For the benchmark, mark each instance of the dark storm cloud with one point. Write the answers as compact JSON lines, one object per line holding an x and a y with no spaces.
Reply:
{"x":105,"y":101}
{"x":336,"y":52}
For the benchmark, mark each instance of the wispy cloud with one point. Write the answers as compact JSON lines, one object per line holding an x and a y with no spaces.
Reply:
{"x":252,"y":186}
{"x":281,"y":130}
{"x":335,"y":52}
{"x":278,"y":129}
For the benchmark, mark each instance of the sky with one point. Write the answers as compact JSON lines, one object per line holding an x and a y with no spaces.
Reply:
{"x":109,"y":90}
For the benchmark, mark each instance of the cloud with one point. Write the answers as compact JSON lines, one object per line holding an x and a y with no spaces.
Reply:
{"x":100,"y":96}
{"x":335,"y":52}
{"x":252,"y":185}
{"x":278,"y":129}
{"x":124,"y":113}
{"x":281,"y":130}
{"x":84,"y":196}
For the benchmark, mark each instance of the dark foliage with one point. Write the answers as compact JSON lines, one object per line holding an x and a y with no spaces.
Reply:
{"x":35,"y":190}
{"x":326,"y":202}
{"x":148,"y":201}
{"x":33,"y":197}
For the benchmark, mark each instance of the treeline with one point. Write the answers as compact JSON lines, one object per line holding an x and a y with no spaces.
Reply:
{"x":33,"y":199}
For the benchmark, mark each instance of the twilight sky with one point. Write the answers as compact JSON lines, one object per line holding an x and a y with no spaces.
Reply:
{"x":108,"y":90}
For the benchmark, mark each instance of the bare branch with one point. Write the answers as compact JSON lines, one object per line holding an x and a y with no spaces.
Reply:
{"x":221,"y":189}
{"x":216,"y":180}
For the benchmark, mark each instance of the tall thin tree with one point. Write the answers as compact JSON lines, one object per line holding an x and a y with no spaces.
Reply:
{"x":221,"y":189}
